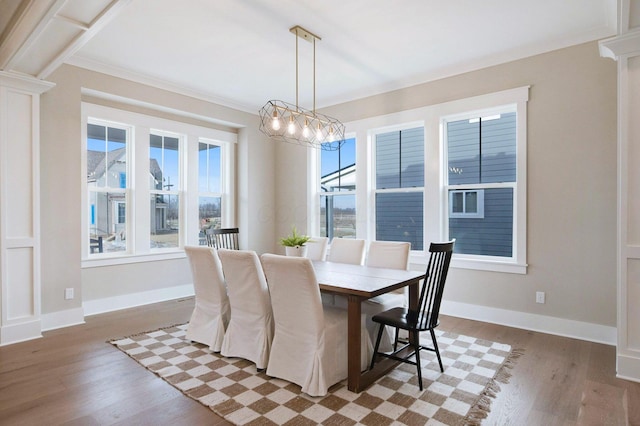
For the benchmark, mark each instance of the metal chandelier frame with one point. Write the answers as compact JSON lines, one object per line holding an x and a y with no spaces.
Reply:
{"x":290,"y":123}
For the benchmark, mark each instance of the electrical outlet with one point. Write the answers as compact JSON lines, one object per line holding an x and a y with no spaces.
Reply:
{"x":68,"y":293}
{"x":539,"y":296}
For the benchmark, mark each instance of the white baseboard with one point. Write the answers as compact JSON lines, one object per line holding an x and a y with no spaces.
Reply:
{"x":60,"y":319}
{"x":628,"y":368}
{"x":544,"y":324}
{"x":20,"y":331}
{"x":115,"y":303}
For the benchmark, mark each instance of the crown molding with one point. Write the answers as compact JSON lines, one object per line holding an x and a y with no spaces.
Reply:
{"x":97,"y":66}
{"x":621,"y":46}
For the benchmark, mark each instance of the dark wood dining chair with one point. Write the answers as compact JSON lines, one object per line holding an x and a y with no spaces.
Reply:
{"x":425,"y":317}
{"x":223,"y":238}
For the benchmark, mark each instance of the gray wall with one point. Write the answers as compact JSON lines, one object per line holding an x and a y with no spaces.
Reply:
{"x":571,"y":185}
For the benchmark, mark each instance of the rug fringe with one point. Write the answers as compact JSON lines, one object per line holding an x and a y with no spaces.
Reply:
{"x":115,"y":339}
{"x":480,"y":410}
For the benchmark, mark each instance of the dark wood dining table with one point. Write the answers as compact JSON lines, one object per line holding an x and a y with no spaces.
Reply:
{"x":359,"y":283}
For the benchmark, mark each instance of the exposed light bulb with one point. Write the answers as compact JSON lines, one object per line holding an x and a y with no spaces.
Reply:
{"x":291,"y":128}
{"x":305,"y":129}
{"x":319,"y":133}
{"x":275,"y":123}
{"x":332,"y":136}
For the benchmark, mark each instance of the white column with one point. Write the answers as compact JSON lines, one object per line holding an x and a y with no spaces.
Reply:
{"x":20,"y":207}
{"x":625,"y":49}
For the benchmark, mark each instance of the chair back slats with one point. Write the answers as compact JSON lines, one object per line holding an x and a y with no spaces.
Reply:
{"x":433,"y":285}
{"x":223,"y":238}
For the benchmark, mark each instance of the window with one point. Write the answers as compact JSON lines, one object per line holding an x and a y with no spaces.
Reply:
{"x":399,"y":186}
{"x":466,"y":204}
{"x":337,"y":191}
{"x":209,"y":187}
{"x":481,"y":182}
{"x":450,"y":170}
{"x":108,"y":148}
{"x":164,"y":180}
{"x":150,"y":184}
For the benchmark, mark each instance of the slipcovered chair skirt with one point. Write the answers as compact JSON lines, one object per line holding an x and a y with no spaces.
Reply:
{"x":250,"y":330}
{"x":310,"y":340}
{"x":212,"y":309}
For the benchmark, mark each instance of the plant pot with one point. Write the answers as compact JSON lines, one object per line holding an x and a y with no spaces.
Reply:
{"x":297,"y":251}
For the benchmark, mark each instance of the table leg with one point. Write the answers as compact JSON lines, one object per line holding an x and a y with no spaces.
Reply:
{"x":353,"y":341}
{"x":414,"y":337}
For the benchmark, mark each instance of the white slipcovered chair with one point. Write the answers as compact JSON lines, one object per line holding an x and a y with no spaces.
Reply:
{"x":310,"y":341}
{"x":317,"y":248}
{"x":250,"y":330}
{"x":212,"y":310}
{"x":346,"y":250}
{"x":383,"y":254}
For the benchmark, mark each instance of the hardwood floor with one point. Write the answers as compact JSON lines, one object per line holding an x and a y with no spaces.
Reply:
{"x":73,"y":377}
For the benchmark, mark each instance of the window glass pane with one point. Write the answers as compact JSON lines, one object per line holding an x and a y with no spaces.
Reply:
{"x":400,"y":159}
{"x":338,"y":216}
{"x":209,"y":168}
{"x":399,"y":217}
{"x":165,"y":222}
{"x":471,"y":202}
{"x":107,"y":222}
{"x":412,"y":158}
{"x":209,"y":214}
{"x":165,"y":161}
{"x":106,"y":156}
{"x":482,"y":150}
{"x":121,"y":213}
{"x":463,"y":141}
{"x":491,"y":235}
{"x":498,"y":148}
{"x":338,"y":168}
{"x":457,"y":202}
{"x":388,"y":160}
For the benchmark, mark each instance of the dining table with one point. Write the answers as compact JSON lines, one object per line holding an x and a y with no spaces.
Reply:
{"x":359,"y":283}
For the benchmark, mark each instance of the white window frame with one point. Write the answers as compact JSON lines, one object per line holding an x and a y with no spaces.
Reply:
{"x":225,"y":220}
{"x":179,"y":192}
{"x":478,"y":214}
{"x":436,"y":199}
{"x":315,"y":189}
{"x":105,"y":189}
{"x":371,"y":139}
{"x":508,"y":101}
{"x":139,"y":192}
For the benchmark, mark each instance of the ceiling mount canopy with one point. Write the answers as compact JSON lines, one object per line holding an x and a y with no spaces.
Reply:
{"x":291,"y":123}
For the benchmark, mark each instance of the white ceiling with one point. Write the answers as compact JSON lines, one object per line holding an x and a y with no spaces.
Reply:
{"x":240,"y":53}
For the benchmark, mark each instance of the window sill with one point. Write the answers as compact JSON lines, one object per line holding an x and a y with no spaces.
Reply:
{"x":111,"y":260}
{"x":460,"y":262}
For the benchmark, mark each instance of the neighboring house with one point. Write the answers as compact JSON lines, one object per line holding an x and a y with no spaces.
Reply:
{"x":109,"y":170}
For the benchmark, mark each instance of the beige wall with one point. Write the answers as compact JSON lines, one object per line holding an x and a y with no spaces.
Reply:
{"x":571,"y":181}
{"x":571,"y":185}
{"x":61,"y":178}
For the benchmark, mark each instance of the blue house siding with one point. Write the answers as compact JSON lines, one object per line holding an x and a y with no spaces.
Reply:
{"x":491,"y":235}
{"x":399,"y":217}
{"x":481,"y":152}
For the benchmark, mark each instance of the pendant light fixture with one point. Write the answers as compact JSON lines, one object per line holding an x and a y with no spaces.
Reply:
{"x":291,"y":123}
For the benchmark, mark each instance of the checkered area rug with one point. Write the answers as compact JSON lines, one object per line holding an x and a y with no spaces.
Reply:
{"x":235,"y":390}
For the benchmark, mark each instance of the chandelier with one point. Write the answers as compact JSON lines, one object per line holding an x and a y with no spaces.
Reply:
{"x":291,"y":123}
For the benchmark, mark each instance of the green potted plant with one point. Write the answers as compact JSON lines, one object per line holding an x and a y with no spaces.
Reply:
{"x":294,"y":243}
